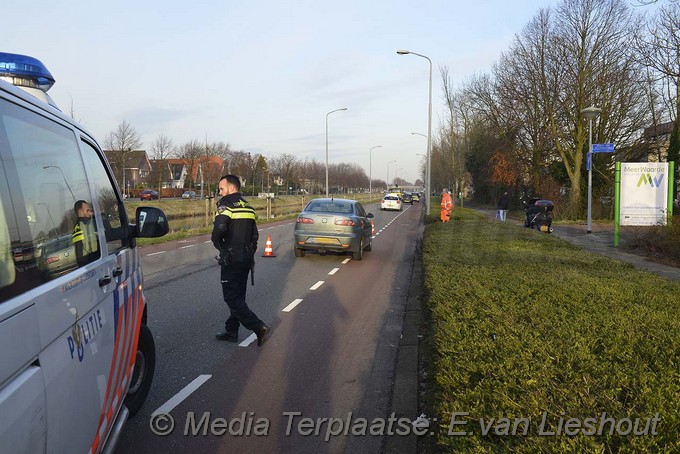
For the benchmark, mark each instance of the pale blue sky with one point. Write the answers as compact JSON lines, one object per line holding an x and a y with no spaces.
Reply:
{"x":261,"y":75}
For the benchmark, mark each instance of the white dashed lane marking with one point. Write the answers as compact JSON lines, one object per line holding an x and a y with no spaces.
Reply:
{"x":177,"y":399}
{"x":292,"y":305}
{"x":333,"y":271}
{"x":317,"y":285}
{"x":248,"y":340}
{"x":156,"y":253}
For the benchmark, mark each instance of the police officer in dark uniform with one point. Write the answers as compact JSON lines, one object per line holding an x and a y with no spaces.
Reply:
{"x":235,"y":236}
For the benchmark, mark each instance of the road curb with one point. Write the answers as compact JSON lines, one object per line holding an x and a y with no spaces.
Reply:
{"x":405,"y":387}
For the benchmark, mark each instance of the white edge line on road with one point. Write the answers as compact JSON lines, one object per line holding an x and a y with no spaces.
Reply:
{"x":292,"y":305}
{"x":248,"y":340}
{"x":209,"y":241}
{"x":177,"y":399}
{"x":317,"y":285}
{"x":184,"y":247}
{"x":333,"y":271}
{"x":345,"y":261}
{"x":156,"y":253}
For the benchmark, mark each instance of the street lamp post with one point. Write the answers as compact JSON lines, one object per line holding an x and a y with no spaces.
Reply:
{"x":336,"y":110}
{"x":590,"y":113}
{"x":370,"y":172}
{"x":388,"y":172}
{"x":418,"y":154}
{"x":64,"y":177}
{"x":429,"y":129}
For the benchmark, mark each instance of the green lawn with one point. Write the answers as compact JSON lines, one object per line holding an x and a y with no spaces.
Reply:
{"x":523,"y":325}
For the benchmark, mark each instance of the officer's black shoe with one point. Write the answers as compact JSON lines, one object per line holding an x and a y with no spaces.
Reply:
{"x":263,"y":334}
{"x":226,"y":336}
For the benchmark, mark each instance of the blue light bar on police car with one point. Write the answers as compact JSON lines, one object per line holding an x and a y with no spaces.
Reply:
{"x":25,"y":71}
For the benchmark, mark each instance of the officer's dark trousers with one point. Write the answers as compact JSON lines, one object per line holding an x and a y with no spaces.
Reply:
{"x":234,"y":284}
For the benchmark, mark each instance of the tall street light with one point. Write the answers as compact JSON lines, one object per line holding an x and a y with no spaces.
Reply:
{"x":429,"y":129}
{"x":426,"y":169}
{"x":370,"y":172}
{"x":590,"y":113}
{"x":336,"y":110}
{"x":388,"y":172}
{"x":62,"y":176}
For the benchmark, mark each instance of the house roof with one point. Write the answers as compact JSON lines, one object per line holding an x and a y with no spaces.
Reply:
{"x":136,"y":159}
{"x":653,"y":132}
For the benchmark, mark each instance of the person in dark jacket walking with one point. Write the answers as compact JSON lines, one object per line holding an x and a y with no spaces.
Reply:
{"x":503,"y":207}
{"x":235,"y":236}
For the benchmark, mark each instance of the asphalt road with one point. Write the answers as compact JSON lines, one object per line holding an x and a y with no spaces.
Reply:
{"x":337,"y":325}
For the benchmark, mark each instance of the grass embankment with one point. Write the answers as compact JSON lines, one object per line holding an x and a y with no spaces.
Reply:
{"x":524,"y":325}
{"x":184,"y":208}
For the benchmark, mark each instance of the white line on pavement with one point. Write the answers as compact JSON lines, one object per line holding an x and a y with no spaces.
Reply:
{"x":292,"y":305}
{"x":156,"y":253}
{"x":317,"y":285}
{"x":345,"y":261}
{"x":333,"y":271}
{"x":184,"y":247}
{"x":248,"y":340}
{"x":183,"y":394}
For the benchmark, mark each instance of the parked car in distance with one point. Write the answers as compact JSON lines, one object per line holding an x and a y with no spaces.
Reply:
{"x":331,"y":224}
{"x":407,"y":197}
{"x":148,"y":194}
{"x":415,"y":196}
{"x":189,"y":195}
{"x":391,"y":202}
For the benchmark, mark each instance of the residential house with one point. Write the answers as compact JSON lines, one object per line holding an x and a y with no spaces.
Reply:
{"x":658,"y":139}
{"x":189,"y":173}
{"x":131,"y":168}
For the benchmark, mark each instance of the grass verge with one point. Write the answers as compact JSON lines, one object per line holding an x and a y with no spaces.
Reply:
{"x":526,"y":327}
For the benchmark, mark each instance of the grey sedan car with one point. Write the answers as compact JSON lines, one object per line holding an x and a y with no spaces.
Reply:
{"x":333,"y":225}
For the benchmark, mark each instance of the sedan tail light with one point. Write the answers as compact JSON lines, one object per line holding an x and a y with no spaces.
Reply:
{"x":302,"y":220}
{"x":345,"y":222}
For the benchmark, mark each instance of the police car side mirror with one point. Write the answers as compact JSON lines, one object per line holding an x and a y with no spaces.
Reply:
{"x":370,"y":215}
{"x":151,"y":222}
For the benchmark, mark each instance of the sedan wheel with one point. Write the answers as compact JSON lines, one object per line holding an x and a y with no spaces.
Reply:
{"x":360,"y":253}
{"x":299,"y":252}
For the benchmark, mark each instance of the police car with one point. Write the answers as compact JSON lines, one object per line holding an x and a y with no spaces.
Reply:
{"x":77,"y":358}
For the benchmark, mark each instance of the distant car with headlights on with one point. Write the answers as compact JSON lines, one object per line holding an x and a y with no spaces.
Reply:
{"x":391,"y":202}
{"x":148,"y":194}
{"x":338,"y":225}
{"x":415,"y":196}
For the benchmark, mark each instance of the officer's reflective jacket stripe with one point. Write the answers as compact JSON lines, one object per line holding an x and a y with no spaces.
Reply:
{"x":85,"y":233}
{"x":235,"y":224}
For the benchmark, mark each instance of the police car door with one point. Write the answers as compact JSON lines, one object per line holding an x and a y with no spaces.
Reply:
{"x":70,"y":292}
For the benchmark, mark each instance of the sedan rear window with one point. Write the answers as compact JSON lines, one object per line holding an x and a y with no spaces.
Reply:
{"x":330,"y":207}
{"x":391,"y":197}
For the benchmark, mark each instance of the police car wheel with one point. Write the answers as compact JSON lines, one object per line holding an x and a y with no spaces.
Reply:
{"x":299,"y":252}
{"x":142,"y":375}
{"x":369,"y":246}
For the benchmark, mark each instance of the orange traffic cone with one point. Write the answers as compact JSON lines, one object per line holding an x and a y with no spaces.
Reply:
{"x":372,"y":228}
{"x":268,"y":250}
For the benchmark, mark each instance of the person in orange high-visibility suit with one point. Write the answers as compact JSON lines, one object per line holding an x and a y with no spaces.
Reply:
{"x":446,"y":206}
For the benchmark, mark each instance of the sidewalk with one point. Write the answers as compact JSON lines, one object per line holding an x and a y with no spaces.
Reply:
{"x":601,"y":241}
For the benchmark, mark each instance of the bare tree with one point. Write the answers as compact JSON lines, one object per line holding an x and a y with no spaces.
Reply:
{"x":161,"y":149}
{"x":121,"y":142}
{"x":659,"y":47}
{"x":191,"y":152}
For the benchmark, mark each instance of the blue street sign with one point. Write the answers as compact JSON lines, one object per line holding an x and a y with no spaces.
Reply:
{"x":589,"y":161}
{"x":603,"y":148}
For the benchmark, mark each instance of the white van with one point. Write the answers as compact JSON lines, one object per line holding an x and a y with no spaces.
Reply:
{"x":76,"y":356}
